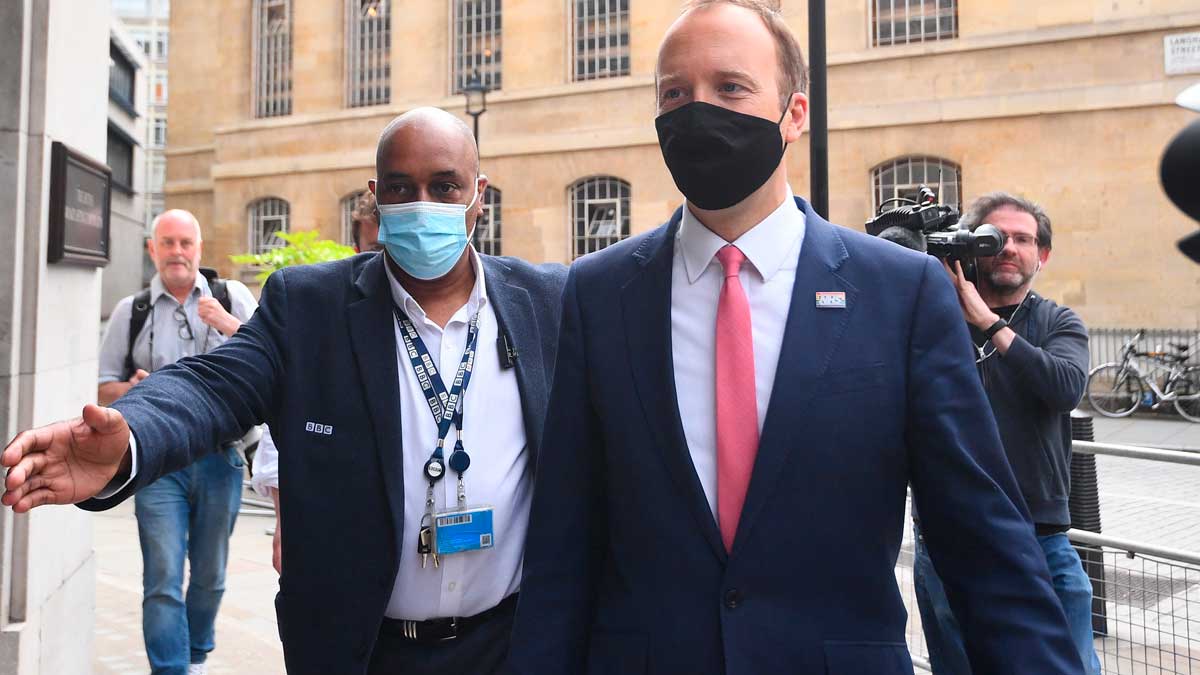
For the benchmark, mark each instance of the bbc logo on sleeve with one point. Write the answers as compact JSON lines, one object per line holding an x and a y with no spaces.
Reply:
{"x":316,"y":428}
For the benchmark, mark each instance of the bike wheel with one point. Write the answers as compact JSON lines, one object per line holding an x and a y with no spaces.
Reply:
{"x":1186,"y":387}
{"x":1113,"y":390}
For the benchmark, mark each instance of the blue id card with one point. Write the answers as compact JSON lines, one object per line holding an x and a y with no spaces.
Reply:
{"x":460,"y":530}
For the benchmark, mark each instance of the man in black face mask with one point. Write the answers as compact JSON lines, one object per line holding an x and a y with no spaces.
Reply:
{"x":720,"y":500}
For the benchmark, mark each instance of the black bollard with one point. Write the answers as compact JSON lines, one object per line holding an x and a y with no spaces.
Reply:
{"x":1085,"y":515}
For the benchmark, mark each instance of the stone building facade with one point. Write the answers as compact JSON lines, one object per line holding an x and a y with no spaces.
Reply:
{"x":277,"y":104}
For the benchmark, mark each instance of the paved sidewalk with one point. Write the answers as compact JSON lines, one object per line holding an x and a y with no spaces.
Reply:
{"x":247,"y":639}
{"x":1172,"y":433}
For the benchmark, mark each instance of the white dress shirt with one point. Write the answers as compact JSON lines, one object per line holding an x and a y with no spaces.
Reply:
{"x":493,"y":435}
{"x":772,"y":248}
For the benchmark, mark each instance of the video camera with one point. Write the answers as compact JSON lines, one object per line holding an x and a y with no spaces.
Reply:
{"x":924,"y":225}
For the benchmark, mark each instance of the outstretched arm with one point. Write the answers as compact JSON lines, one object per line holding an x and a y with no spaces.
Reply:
{"x":176,"y":415}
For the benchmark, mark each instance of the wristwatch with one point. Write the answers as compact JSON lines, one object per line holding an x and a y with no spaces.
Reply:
{"x":995,"y":328}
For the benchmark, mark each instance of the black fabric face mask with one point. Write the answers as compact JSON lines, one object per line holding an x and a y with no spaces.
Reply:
{"x":717,"y":156}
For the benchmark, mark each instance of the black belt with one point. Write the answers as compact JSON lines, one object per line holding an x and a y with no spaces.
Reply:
{"x":441,"y":630}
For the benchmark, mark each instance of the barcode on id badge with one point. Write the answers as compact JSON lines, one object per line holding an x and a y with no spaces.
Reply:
{"x":445,"y":521}
{"x":485,"y":540}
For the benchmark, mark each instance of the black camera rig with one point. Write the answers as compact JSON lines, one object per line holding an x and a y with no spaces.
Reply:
{"x":924,"y":225}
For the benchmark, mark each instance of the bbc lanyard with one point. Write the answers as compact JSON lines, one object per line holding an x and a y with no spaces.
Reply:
{"x":446,"y":407}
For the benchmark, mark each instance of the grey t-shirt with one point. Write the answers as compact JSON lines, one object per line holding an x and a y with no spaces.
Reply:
{"x":165,"y":328}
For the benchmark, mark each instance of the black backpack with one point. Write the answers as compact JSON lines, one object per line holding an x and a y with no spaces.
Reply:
{"x":141,"y":310}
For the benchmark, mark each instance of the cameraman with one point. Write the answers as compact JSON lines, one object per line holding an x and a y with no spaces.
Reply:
{"x":1033,"y":359}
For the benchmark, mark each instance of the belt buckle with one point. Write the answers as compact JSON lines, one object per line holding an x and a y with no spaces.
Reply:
{"x":453,"y":631}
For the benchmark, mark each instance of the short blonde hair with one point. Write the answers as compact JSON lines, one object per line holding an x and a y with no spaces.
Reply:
{"x":793,"y":71}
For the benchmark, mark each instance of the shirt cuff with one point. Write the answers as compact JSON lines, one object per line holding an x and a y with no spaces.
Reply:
{"x":109,"y":490}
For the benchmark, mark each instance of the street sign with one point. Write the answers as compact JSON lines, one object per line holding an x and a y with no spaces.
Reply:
{"x":1181,"y":53}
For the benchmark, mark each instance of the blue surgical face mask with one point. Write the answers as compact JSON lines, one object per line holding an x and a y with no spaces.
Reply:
{"x":425,"y":238}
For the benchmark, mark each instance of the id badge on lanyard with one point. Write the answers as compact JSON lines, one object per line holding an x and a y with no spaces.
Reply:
{"x":462,"y":528}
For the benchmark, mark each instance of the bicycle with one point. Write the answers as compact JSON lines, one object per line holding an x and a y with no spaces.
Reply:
{"x":1117,"y":389}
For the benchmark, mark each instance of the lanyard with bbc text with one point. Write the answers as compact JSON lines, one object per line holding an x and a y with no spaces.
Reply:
{"x":446,"y":406}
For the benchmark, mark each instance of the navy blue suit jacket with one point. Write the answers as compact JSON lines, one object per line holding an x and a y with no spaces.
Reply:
{"x":321,"y":348}
{"x":625,"y":571}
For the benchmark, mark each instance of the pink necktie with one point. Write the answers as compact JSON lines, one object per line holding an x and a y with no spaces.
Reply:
{"x":737,"y":407}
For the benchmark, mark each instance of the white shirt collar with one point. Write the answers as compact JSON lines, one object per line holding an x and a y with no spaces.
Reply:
{"x":405,"y":301}
{"x":766,"y":245}
{"x":158,"y":289}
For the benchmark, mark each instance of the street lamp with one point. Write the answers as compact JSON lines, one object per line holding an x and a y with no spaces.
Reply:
{"x":476,"y":92}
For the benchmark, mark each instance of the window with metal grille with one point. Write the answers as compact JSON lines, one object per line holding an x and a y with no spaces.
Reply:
{"x":159,"y":132}
{"x":122,"y":74}
{"x":487,"y":230}
{"x":903,"y":176}
{"x":272,"y":76}
{"x":476,"y":44}
{"x":267,"y":217}
{"x":600,"y":32}
{"x":368,"y":52}
{"x":346,"y":206}
{"x":599,"y":212}
{"x":120,"y":160}
{"x":899,"y":22}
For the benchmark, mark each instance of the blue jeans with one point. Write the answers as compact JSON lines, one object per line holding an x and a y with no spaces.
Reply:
{"x":943,"y":637}
{"x":190,"y":512}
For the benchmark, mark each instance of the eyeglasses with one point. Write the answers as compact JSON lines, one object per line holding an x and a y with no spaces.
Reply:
{"x":185,"y":328}
{"x":1024,"y":240}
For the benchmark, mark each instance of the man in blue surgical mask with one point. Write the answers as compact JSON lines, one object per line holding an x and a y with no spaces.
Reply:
{"x":406,"y":391}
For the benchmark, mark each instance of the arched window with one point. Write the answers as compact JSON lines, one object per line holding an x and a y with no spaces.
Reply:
{"x":899,"y":22}
{"x":347,"y":206}
{"x":600,"y":38}
{"x":903,"y":176}
{"x":267,"y":217}
{"x":272,"y":81}
{"x":368,"y":52}
{"x":599,"y":213}
{"x":476,"y":46}
{"x":487,"y":231}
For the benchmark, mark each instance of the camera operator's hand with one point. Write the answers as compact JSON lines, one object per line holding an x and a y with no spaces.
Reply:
{"x":975,"y":310}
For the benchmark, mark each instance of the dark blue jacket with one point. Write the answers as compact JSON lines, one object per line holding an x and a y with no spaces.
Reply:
{"x":322,"y":348}
{"x":624,"y":567}
{"x":1032,"y":390}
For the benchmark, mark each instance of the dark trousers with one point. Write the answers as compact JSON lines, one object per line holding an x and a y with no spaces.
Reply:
{"x":480,"y":652}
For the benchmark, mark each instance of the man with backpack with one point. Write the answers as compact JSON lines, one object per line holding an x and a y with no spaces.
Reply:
{"x":190,"y":513}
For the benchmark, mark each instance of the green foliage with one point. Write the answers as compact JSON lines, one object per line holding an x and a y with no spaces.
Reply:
{"x":303,"y":248}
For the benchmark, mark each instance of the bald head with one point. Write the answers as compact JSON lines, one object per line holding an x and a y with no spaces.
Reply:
{"x":428,"y":155}
{"x":176,"y":218}
{"x":428,"y":122}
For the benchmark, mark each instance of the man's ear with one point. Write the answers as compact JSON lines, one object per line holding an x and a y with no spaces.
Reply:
{"x":371,"y":187}
{"x":794,"y":119}
{"x":1043,"y":257}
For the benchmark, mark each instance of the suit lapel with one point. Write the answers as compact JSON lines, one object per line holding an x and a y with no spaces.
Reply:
{"x":810,"y":340}
{"x":373,"y":339}
{"x":516,"y":319}
{"x":646,"y":316}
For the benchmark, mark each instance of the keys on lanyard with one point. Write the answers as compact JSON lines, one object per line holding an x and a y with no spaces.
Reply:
{"x":446,"y":407}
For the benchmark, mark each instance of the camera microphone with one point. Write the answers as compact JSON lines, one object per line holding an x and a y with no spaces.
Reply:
{"x":905,"y":237}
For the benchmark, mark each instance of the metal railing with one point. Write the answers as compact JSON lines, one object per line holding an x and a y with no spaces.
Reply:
{"x":1105,"y":343}
{"x":1146,"y":607}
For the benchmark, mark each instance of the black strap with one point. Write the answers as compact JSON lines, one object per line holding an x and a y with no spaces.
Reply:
{"x":220,"y":291}
{"x":137,"y":320}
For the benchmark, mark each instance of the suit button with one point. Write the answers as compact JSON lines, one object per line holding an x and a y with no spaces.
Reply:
{"x":733,"y":598}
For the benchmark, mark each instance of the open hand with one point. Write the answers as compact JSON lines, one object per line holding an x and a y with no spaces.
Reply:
{"x":66,"y":462}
